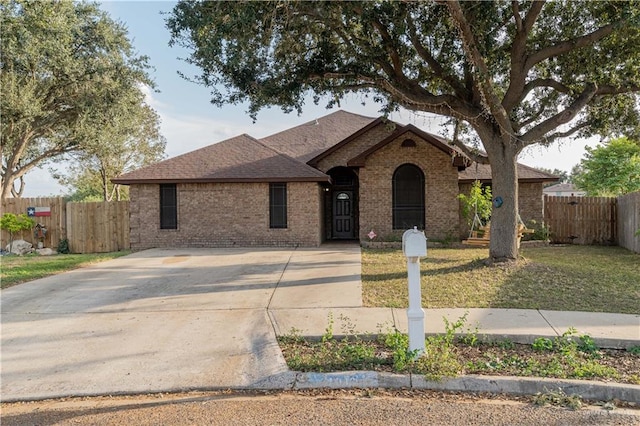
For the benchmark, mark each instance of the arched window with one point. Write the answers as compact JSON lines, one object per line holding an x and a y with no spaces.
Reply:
{"x":408,"y":197}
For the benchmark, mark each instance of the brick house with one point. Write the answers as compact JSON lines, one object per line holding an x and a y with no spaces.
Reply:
{"x":334,"y":178}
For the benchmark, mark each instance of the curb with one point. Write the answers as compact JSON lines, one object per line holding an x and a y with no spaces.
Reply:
{"x":511,"y":385}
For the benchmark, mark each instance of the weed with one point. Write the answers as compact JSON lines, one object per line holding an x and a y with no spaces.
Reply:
{"x":293,"y":337}
{"x":542,"y":344}
{"x":558,"y":398}
{"x":328,"y":332}
{"x":591,"y":368}
{"x":440,"y":358}
{"x":470,"y":338}
{"x":635,"y":350}
{"x":587,"y":345}
{"x":505,"y":344}
{"x":398,"y":343}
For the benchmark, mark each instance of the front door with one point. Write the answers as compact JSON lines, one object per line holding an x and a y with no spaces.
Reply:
{"x":343,"y":215}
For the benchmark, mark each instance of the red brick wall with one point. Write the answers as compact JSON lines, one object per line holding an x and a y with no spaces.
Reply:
{"x":441,"y":189}
{"x":530,"y":202}
{"x":225,"y":215}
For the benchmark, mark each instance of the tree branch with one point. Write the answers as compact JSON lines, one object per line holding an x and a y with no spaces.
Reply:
{"x":518,"y":73}
{"x":451,"y":80}
{"x":484,"y":83}
{"x":559,"y":135}
{"x":530,"y":120}
{"x":469,"y":152}
{"x":544,"y":82}
{"x":614,"y":90}
{"x":568,"y":45}
{"x":568,"y":114}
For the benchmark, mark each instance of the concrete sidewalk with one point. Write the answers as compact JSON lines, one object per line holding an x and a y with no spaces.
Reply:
{"x":519,"y":325}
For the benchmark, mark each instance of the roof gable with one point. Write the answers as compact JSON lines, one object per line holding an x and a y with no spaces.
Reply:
{"x":239,"y":159}
{"x":360,"y":159}
{"x":308,"y":140}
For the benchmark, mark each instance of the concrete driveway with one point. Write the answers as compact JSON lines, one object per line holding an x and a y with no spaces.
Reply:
{"x":164,"y":320}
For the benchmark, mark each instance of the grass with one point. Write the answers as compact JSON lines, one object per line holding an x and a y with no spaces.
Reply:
{"x":569,"y":278}
{"x":19,"y":269}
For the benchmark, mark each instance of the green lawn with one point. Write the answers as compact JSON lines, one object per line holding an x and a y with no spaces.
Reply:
{"x":572,"y":278}
{"x":18,"y":269}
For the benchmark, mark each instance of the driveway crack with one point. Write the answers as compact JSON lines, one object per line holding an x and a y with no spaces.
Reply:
{"x":273,"y":293}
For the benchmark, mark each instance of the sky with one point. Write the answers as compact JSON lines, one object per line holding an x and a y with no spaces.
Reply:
{"x":190,"y":121}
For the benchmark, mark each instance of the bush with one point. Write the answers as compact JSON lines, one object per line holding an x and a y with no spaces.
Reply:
{"x":63,"y":246}
{"x":14,"y":223}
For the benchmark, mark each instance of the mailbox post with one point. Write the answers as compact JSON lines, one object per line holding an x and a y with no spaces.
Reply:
{"x":414,"y":246}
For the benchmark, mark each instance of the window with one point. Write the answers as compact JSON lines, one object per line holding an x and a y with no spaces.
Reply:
{"x":408,"y":197}
{"x":168,"y":206}
{"x":277,"y":205}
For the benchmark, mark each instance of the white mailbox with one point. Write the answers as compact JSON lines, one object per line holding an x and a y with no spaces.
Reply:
{"x":414,"y":246}
{"x":414,"y":243}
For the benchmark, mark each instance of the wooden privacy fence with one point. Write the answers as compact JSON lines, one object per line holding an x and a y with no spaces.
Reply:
{"x":56,"y":223}
{"x":89,"y":227}
{"x":629,"y":221}
{"x":98,"y":227}
{"x":581,"y":220}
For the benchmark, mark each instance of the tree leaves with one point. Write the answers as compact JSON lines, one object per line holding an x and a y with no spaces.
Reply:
{"x":610,"y":170}
{"x":64,"y":67}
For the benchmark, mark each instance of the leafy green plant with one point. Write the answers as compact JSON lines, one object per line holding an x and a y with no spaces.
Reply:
{"x":63,"y":246}
{"x":15,"y":223}
{"x":587,"y":344}
{"x":478,"y":200}
{"x":328,"y":332}
{"x":634,"y":350}
{"x":398,"y":343}
{"x":470,"y":337}
{"x":440,"y":358}
{"x":541,"y":231}
{"x":542,"y":344}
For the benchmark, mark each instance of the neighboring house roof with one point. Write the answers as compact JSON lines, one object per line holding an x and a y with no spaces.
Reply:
{"x":239,"y":159}
{"x":308,"y":140}
{"x":562,"y":187}
{"x":482,"y":172}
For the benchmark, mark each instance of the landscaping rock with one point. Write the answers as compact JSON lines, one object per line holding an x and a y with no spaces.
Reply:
{"x":20,"y":247}
{"x":45,"y":252}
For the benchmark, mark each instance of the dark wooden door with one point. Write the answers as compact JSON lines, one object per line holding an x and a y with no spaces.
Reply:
{"x":343,"y":215}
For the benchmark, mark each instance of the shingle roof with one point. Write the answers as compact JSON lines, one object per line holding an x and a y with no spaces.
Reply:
{"x":308,"y":140}
{"x":482,"y":172}
{"x":239,"y":159}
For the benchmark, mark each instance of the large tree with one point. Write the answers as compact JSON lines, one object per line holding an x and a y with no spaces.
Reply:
{"x":611,"y":169}
{"x":508,"y":74}
{"x":64,"y":66}
{"x":134,"y":141}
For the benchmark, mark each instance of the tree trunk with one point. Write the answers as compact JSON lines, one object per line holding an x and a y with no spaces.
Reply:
{"x":7,"y":184}
{"x":504,"y":214}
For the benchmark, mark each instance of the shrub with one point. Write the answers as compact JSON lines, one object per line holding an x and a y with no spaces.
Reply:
{"x":63,"y":246}
{"x":14,"y":223}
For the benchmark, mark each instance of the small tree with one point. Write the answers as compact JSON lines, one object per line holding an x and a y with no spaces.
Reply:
{"x":611,"y":169}
{"x":14,"y":223}
{"x":478,"y":201}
